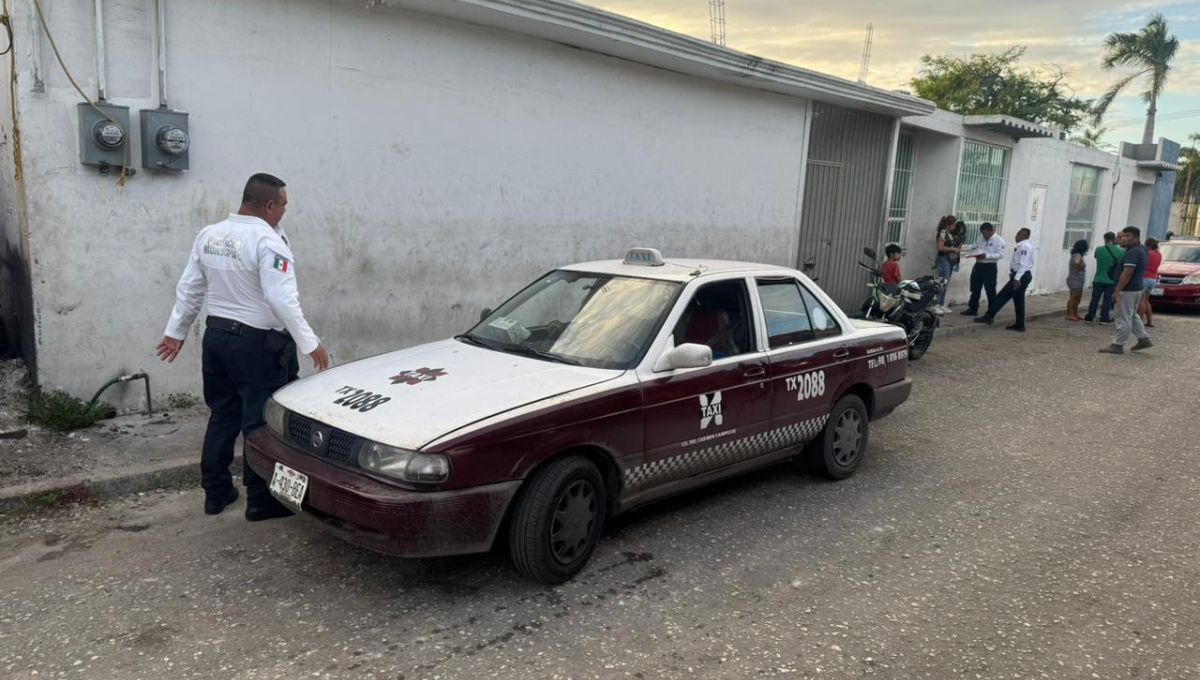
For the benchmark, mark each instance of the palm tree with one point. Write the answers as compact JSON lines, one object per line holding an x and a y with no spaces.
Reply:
{"x":1150,"y":52}
{"x":1091,"y":138}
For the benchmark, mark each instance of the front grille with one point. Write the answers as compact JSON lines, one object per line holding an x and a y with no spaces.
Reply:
{"x":1170,"y":280}
{"x":337,"y":446}
{"x":341,"y":446}
{"x":300,"y":430}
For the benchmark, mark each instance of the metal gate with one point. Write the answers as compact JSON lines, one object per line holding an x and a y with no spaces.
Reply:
{"x":844,"y":198}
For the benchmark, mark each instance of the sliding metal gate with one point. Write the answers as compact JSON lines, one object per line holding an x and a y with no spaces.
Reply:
{"x":844,"y":198}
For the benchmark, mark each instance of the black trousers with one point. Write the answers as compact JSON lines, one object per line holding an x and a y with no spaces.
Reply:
{"x":983,"y":278}
{"x":1017,"y":295}
{"x":240,"y":374}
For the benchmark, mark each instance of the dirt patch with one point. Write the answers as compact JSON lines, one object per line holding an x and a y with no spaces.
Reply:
{"x":109,"y":445}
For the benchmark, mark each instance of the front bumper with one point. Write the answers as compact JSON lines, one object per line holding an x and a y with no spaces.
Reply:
{"x":1177,"y":296}
{"x":888,"y":397}
{"x":384,"y":518}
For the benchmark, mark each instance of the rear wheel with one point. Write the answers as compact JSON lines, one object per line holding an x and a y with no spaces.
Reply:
{"x":922,"y":335}
{"x":558,"y":519}
{"x":839,"y":449}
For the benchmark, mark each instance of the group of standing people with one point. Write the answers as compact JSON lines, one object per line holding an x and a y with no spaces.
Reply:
{"x":1126,"y":273}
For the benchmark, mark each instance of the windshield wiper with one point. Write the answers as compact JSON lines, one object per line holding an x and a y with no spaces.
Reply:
{"x":539,"y":354}
{"x":475,"y":340}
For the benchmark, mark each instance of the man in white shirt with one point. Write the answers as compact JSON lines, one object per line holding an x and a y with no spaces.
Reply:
{"x":1019,"y":275}
{"x":244,"y":270}
{"x":988,"y":253}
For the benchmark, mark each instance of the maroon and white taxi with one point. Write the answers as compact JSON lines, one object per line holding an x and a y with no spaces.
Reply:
{"x":598,"y":388}
{"x":1178,"y":275}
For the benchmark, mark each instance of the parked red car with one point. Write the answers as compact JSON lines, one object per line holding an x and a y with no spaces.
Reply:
{"x":598,"y":388}
{"x":1178,"y":275}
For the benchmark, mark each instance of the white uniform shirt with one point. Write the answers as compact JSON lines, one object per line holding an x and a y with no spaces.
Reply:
{"x":246,"y":272}
{"x":992,"y":248}
{"x":1023,"y":259}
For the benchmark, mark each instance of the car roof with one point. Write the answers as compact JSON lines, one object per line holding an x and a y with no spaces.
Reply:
{"x":677,"y":269}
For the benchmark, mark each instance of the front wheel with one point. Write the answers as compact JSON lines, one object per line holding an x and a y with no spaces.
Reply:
{"x":557,"y":521}
{"x":922,"y":335}
{"x":839,"y":449}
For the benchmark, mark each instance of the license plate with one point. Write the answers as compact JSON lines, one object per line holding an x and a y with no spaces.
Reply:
{"x":288,"y":485}
{"x":1157,"y":292}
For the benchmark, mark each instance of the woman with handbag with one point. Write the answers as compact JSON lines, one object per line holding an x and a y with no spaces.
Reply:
{"x":950,"y":236}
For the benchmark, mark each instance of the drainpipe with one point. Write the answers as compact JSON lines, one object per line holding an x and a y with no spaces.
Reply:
{"x":35,"y":53}
{"x":101,"y":82}
{"x":162,"y":54}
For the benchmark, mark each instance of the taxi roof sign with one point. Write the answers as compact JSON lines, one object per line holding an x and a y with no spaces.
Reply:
{"x":645,"y":257}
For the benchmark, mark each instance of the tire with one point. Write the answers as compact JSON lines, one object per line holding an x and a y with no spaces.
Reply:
{"x":567,"y":497}
{"x":828,"y":455}
{"x":925,"y":324}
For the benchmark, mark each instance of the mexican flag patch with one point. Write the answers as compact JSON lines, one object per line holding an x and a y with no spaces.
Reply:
{"x":282,"y":264}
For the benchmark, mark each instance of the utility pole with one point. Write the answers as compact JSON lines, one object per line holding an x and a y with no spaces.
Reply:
{"x":865,"y":65}
{"x":716,"y":21}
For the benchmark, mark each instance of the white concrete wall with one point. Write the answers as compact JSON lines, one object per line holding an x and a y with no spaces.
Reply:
{"x":935,"y":184}
{"x":434,"y":167}
{"x":1032,"y":161}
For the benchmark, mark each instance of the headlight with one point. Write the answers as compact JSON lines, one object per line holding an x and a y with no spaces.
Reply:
{"x":409,"y":466}
{"x":273,"y":414}
{"x":1193,"y":280}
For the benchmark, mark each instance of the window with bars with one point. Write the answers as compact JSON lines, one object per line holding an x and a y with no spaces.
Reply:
{"x":1081,"y":212}
{"x":902,"y":188}
{"x":982,"y":182}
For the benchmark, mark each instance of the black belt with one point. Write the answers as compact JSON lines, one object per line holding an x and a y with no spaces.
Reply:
{"x":991,"y":262}
{"x":231,"y":326}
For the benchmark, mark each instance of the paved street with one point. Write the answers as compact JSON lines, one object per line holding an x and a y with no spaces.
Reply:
{"x":1030,"y":513}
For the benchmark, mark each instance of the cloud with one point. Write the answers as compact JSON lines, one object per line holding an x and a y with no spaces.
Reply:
{"x":829,"y":37}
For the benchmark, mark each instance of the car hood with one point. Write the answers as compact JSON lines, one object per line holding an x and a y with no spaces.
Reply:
{"x":432,"y":390}
{"x":1178,"y":268}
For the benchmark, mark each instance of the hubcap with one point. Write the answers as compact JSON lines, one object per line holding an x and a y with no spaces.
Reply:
{"x":574,"y":519}
{"x":847,"y":437}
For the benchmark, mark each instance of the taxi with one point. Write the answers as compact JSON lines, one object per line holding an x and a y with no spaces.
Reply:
{"x":598,"y":388}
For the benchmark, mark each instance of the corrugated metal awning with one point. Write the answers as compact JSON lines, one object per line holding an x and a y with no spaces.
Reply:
{"x":1161,"y":166}
{"x":1012,"y":127}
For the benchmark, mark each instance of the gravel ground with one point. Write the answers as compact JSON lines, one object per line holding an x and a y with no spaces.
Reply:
{"x":1030,"y":513}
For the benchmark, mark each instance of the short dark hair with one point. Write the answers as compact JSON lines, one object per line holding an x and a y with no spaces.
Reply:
{"x":260,"y":189}
{"x":1151,"y":243}
{"x":987,"y":226}
{"x":1109,"y":236}
{"x":892,"y":248}
{"x":1026,"y":231}
{"x":1132,"y":231}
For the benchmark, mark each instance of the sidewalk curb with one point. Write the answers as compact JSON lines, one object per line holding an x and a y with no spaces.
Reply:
{"x":49,"y":492}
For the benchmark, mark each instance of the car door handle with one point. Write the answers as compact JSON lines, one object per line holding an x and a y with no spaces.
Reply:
{"x":755,"y":372}
{"x":841,"y":353}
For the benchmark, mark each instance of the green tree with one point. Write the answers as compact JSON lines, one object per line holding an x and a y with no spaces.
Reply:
{"x":980,"y":84}
{"x":1150,"y":52}
{"x":1091,"y":138}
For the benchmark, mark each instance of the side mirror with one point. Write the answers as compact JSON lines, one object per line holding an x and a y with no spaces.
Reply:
{"x":487,"y":311}
{"x":869,"y":253}
{"x":688,"y":355}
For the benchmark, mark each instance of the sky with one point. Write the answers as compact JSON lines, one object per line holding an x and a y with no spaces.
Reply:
{"x":828,"y":37}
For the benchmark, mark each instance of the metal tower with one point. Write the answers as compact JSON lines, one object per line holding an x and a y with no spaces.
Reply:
{"x":716,"y":21}
{"x":865,"y":65}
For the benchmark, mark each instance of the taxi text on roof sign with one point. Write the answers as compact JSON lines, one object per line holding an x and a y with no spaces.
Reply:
{"x":646,"y":257}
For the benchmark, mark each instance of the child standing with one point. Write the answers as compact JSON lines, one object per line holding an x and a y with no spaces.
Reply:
{"x":891,"y":268}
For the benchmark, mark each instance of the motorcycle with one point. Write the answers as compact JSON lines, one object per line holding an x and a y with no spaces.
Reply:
{"x":905,"y":305}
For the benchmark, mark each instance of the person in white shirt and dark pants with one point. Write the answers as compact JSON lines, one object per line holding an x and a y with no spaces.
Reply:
{"x":1020,"y":275}
{"x":988,"y":253}
{"x":243,"y":268}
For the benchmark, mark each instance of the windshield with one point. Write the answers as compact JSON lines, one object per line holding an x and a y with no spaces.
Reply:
{"x":593,"y":320}
{"x":1180,"y":253}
